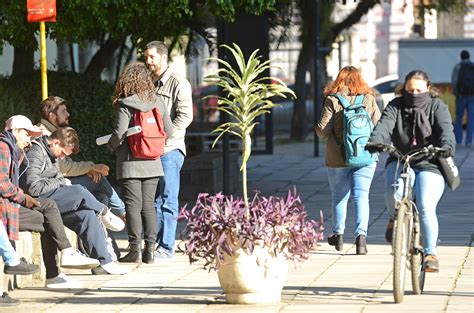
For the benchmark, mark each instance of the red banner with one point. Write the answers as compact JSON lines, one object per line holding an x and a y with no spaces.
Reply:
{"x":41,"y":10}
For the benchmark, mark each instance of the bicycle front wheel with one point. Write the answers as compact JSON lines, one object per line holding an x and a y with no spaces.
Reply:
{"x":417,"y":256}
{"x":401,"y":245}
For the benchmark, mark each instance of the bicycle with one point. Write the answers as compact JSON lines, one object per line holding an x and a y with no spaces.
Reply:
{"x":407,"y":241}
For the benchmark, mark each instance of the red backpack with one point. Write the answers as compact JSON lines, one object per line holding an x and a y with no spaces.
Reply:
{"x":150,"y":142}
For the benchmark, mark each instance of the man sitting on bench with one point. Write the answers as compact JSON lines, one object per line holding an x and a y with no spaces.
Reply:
{"x":79,"y":209}
{"x":54,"y":114}
{"x":20,"y":212}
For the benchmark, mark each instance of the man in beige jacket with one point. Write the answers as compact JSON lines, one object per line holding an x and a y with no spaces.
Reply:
{"x":92,"y":176}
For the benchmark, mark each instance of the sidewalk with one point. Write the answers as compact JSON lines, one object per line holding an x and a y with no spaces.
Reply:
{"x":328,"y":282}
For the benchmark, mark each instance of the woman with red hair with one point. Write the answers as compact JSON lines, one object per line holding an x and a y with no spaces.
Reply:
{"x":346,"y":181}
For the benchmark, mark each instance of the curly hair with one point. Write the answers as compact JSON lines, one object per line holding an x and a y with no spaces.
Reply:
{"x":137,"y":79}
{"x":349,"y":77}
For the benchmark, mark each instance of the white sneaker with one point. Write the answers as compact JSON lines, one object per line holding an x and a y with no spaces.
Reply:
{"x":112,"y":222}
{"x":76,"y":259}
{"x":113,"y":268}
{"x":63,"y":282}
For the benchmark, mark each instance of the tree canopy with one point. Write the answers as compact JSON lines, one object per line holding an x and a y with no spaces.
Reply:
{"x":110,"y":22}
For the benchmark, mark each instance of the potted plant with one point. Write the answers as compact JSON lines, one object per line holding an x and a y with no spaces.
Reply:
{"x":248,"y":240}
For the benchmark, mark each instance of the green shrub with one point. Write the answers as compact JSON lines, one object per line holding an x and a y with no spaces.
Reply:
{"x":89,"y":102}
{"x":11,"y":103}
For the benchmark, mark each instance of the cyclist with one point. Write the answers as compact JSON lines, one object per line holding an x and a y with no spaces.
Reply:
{"x":414,"y":119}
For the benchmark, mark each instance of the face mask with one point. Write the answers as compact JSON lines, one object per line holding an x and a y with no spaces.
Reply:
{"x":416,"y":100}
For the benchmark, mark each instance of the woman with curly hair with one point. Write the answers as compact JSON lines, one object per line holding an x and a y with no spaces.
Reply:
{"x":346,"y":181}
{"x":138,"y":177}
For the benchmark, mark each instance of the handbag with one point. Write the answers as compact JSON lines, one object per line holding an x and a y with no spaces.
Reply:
{"x":450,"y":172}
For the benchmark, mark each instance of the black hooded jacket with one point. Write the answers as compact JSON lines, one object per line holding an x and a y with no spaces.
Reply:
{"x":395,"y":127}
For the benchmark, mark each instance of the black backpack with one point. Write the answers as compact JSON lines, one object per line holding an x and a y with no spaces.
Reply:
{"x":465,"y":82}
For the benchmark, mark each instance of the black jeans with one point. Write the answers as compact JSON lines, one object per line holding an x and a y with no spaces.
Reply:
{"x":139,"y":198}
{"x":46,"y":220}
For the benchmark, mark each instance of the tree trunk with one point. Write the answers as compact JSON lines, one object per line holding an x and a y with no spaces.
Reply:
{"x":23,"y":61}
{"x":299,"y":119}
{"x":103,"y":57}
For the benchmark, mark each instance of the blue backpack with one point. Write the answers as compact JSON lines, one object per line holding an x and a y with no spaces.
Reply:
{"x":356,"y":132}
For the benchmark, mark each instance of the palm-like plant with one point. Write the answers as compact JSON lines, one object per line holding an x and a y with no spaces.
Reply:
{"x":247,"y":96}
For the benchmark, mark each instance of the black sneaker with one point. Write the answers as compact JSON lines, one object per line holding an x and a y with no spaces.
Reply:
{"x":389,"y":231}
{"x":24,"y":268}
{"x":6,"y":300}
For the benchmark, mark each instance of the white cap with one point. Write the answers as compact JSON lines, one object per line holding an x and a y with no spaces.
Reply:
{"x":21,"y":121}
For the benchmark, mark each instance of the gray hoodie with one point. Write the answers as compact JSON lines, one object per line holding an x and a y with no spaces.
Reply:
{"x":127,"y":165}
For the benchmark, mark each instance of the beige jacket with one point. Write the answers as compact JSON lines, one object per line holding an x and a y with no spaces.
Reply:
{"x":330,"y":125}
{"x":68,"y":166}
{"x":175,"y":92}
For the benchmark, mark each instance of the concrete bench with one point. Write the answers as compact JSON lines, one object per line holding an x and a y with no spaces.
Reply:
{"x":29,"y":247}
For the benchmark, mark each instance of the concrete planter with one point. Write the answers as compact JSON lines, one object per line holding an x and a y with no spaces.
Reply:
{"x":253,"y":279}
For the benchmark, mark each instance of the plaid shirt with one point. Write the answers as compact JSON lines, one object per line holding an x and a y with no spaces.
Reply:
{"x":11,"y":195}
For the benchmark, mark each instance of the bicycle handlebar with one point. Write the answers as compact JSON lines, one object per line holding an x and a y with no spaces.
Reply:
{"x":412,"y":155}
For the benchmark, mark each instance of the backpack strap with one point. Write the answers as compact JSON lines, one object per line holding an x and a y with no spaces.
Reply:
{"x":45,"y":154}
{"x":358,"y":102}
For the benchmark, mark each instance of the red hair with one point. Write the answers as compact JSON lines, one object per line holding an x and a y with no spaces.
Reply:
{"x":349,"y":77}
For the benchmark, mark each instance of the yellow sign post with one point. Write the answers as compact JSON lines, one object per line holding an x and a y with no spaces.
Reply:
{"x":42,"y":11}
{"x":44,"y":65}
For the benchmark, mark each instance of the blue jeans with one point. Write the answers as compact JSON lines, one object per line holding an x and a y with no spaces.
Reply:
{"x":86,"y":225}
{"x":166,"y":203}
{"x":428,"y":188}
{"x":354,"y":182}
{"x":464,"y":103}
{"x":7,"y":252}
{"x":102,"y":190}
{"x":73,"y":198}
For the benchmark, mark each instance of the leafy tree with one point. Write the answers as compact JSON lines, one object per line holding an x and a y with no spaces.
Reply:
{"x":109,"y":23}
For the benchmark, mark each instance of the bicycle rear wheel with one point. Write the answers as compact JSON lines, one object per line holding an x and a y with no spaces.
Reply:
{"x":416,"y":262}
{"x":401,"y":242}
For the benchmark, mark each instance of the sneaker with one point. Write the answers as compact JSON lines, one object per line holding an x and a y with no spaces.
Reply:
{"x":389,"y":231}
{"x":78,"y":260}
{"x":23,"y":268}
{"x":63,"y":282}
{"x":123,"y":217}
{"x":111,"y":221}
{"x":113,"y":268}
{"x":6,"y":300}
{"x":431,"y":264}
{"x":163,"y":255}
